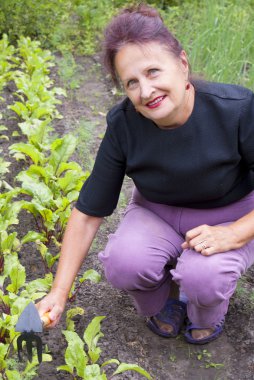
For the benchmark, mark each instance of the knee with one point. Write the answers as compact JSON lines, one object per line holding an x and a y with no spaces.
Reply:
{"x":127,"y":265}
{"x":204,"y":281}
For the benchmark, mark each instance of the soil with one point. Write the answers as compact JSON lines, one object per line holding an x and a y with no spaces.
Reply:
{"x":126,"y":336}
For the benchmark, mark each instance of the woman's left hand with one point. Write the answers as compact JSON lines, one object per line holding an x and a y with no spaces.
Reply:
{"x":211,"y":239}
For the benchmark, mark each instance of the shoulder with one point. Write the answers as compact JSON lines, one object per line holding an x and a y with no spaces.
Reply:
{"x":120,"y":111}
{"x":222,"y":91}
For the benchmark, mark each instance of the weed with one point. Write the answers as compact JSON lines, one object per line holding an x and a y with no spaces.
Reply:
{"x":205,"y":357}
{"x":172,"y":358}
{"x":68,"y":71}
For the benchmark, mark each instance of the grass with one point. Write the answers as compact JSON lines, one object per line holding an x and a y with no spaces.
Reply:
{"x":218,"y":37}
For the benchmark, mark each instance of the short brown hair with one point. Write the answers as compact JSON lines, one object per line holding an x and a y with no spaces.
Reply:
{"x":139,"y":25}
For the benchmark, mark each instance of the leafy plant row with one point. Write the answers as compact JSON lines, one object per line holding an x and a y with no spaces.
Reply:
{"x":76,"y":27}
{"x":48,"y":186}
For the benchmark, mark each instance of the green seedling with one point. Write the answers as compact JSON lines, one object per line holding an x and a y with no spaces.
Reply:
{"x":172,"y":358}
{"x":53,"y":184}
{"x":83,"y":363}
{"x":206,"y":357}
{"x":89,"y":275}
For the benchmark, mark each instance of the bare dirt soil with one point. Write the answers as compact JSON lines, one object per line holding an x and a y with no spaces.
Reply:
{"x":125,"y":334}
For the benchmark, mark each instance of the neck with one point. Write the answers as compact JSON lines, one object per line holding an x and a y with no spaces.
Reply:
{"x":183,"y":113}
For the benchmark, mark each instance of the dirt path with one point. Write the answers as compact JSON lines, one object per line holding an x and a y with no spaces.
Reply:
{"x":126,"y":336}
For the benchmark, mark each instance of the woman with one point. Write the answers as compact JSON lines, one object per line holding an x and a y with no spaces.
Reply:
{"x":188,"y":146}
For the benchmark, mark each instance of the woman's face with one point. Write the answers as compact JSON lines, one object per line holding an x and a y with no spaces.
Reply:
{"x":155,"y":82}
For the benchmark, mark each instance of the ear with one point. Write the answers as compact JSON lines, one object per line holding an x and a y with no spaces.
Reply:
{"x":184,"y":62}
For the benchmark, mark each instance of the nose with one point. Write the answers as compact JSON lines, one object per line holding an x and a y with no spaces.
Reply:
{"x":146,"y":89}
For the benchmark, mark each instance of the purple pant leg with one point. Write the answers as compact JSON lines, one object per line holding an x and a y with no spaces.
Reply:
{"x":210,"y":281}
{"x":139,"y":256}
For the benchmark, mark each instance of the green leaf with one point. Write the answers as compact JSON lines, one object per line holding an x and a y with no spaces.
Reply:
{"x":37,"y":171}
{"x":32,"y":236}
{"x":13,"y":375}
{"x":61,"y":150}
{"x":20,"y":109}
{"x":91,"y":275}
{"x":38,"y":190}
{"x":3,"y":351}
{"x":75,"y":355}
{"x":9,"y":243}
{"x":40,"y":285}
{"x":50,"y":259}
{"x":93,"y":372}
{"x":69,"y":181}
{"x":65,"y":368}
{"x":70,"y":314}
{"x":72,"y":196}
{"x":19,"y":156}
{"x":64,"y":166}
{"x":29,"y":150}
{"x":15,"y":134}
{"x":91,"y":336}
{"x":131,"y":367}
{"x":110,"y":361}
{"x":12,"y":262}
{"x":18,"y":278}
{"x":32,"y":208}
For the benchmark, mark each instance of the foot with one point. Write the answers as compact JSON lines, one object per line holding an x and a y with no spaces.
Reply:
{"x":202,"y":333}
{"x":169,"y":320}
{"x":165,"y":327}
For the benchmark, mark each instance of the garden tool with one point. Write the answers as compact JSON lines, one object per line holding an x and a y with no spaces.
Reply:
{"x":28,"y":324}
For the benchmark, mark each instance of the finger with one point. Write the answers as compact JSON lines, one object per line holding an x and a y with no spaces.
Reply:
{"x":53,"y":323}
{"x":191,"y":234}
{"x":196,"y":244}
{"x":42,"y":308}
{"x":56,"y":312}
{"x":208,"y":251}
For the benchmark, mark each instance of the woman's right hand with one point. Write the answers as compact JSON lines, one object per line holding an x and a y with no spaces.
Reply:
{"x":53,"y":304}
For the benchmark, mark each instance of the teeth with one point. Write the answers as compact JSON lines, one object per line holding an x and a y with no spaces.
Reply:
{"x":155,"y":101}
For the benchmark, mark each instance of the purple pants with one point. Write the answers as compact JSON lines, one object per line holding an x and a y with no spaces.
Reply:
{"x":144,"y":255}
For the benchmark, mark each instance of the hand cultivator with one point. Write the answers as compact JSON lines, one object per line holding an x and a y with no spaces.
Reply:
{"x":28,"y":324}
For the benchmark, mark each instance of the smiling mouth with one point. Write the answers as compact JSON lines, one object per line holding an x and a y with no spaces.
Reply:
{"x":155,"y":102}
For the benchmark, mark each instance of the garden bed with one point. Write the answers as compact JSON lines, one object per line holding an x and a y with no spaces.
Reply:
{"x":125,"y":334}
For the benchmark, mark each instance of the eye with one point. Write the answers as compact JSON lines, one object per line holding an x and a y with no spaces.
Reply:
{"x":131,"y":84}
{"x":153,"y":72}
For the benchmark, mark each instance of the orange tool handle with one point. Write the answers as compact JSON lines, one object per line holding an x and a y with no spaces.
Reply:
{"x":46,"y":320}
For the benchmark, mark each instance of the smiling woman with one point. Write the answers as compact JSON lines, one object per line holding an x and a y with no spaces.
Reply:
{"x":157,"y":84}
{"x":188,"y":232}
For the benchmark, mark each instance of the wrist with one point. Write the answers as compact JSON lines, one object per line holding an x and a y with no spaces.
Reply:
{"x":60,"y":291}
{"x":239,"y":235}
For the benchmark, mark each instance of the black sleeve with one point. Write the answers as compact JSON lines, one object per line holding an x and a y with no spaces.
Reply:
{"x":100,"y":193}
{"x":246,"y":131}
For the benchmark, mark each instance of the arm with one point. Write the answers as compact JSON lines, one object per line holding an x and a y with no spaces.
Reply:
{"x":80,"y":232}
{"x":218,"y":239}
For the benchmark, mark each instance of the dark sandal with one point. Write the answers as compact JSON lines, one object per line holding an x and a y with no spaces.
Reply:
{"x":173,"y":314}
{"x":217,"y":331}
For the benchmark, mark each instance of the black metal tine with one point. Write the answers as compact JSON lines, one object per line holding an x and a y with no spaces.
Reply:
{"x":29,"y":338}
{"x":29,"y":346}
{"x":19,"y":346}
{"x":39,"y":347}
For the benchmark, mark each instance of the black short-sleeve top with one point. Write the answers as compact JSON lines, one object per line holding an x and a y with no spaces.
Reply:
{"x":205,"y":163}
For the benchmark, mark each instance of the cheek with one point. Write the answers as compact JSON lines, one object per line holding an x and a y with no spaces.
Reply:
{"x":134,"y":98}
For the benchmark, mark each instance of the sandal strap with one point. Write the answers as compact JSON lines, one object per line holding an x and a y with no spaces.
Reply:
{"x":193,"y":326}
{"x":174,"y":310}
{"x":218,"y":328}
{"x":173,"y":313}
